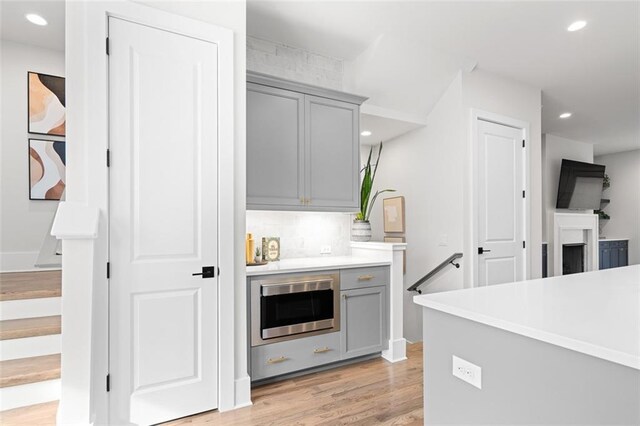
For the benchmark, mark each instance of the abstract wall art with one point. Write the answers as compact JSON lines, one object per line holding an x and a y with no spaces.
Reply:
{"x":46,"y":169}
{"x":46,"y":104}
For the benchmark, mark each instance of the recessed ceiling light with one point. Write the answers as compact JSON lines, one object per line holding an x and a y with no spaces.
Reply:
{"x":578,"y":25}
{"x":565,"y":115}
{"x":36,"y":19}
{"x":365,"y":133}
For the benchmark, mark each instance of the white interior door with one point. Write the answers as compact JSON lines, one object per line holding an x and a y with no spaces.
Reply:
{"x":163,"y":223}
{"x":500,"y":192}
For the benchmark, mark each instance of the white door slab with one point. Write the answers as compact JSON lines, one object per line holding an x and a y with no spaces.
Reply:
{"x":163,"y":223}
{"x":501,"y":204}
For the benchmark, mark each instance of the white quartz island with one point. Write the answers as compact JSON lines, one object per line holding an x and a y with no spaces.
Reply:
{"x":561,"y":350}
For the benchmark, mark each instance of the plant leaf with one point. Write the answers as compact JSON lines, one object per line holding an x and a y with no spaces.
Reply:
{"x":373,"y":200}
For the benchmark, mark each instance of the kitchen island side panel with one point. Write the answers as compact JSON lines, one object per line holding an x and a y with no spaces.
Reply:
{"x":524,"y":381}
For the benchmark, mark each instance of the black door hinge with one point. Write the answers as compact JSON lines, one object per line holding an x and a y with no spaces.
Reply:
{"x":108,"y":158}
{"x":524,"y":245}
{"x":523,"y":143}
{"x":108,"y":270}
{"x":107,"y":45}
{"x":108,"y":382}
{"x":522,"y":194}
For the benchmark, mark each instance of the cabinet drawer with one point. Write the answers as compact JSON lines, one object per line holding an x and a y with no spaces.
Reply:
{"x":364,"y":277}
{"x":294,"y":355}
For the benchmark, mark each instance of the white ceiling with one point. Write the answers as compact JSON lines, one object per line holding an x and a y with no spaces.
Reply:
{"x":14,"y":26}
{"x":594,"y":73}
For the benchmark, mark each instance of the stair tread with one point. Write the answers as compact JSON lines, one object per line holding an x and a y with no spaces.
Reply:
{"x":30,"y":327}
{"x":29,"y":370}
{"x":38,"y":414}
{"x":30,"y":285}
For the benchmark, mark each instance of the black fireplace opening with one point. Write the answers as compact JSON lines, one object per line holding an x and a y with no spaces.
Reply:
{"x":572,"y":258}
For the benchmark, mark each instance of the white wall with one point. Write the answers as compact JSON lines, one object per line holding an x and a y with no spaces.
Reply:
{"x":623,"y":169}
{"x":431,"y":167}
{"x":302,"y":234}
{"x":489,"y":92}
{"x":24,"y":223}
{"x":425,"y":166}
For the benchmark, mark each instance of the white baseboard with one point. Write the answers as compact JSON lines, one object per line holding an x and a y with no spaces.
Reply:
{"x":243,"y":392}
{"x":30,"y":346}
{"x":29,"y":394}
{"x":18,"y":261}
{"x":30,"y":308}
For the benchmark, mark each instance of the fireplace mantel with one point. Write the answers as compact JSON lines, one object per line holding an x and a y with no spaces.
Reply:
{"x":583,"y":226}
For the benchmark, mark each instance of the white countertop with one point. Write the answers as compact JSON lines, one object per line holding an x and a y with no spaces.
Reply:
{"x":313,"y":264}
{"x":613,"y":239}
{"x":596,"y":313}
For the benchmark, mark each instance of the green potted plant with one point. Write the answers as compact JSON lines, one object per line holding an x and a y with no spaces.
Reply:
{"x":361,"y":228}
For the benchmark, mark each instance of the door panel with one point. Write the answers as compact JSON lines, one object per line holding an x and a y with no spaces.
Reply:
{"x":163,"y":223}
{"x":363,"y":320}
{"x":500,"y":183}
{"x":275,"y":148}
{"x":333,"y":161}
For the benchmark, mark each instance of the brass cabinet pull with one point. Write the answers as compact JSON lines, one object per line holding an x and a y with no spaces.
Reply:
{"x":344,"y":296}
{"x":365,"y":277}
{"x":302,"y":200}
{"x":321,"y":350}
{"x":277,"y":360}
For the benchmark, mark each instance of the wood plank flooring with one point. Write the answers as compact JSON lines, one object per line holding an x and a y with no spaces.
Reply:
{"x":29,"y":370}
{"x":32,"y":285}
{"x":369,"y":393}
{"x":29,"y":327}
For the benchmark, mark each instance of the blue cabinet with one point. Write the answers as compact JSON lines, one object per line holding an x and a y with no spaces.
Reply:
{"x":614,"y":254}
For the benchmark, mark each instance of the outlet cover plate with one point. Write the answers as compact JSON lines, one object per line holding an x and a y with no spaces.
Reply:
{"x":466,"y":371}
{"x":325,"y":250}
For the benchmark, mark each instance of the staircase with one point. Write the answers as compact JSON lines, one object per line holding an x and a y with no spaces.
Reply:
{"x":30,"y":304}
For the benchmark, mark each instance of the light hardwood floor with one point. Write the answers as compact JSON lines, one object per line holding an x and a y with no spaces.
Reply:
{"x":368,"y":393}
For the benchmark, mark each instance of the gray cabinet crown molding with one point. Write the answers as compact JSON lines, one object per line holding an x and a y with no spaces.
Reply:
{"x":309,"y":89}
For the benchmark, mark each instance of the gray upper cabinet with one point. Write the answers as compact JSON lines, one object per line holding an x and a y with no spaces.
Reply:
{"x":275,"y":175}
{"x":302,"y":146}
{"x":332,"y":166}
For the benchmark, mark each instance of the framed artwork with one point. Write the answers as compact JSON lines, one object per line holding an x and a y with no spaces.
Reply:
{"x":393,"y":214}
{"x":46,"y":169}
{"x":46,"y":104}
{"x":388,"y":239}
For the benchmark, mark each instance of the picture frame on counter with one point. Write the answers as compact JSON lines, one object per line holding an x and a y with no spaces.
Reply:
{"x":393,"y":211}
{"x":271,"y":249}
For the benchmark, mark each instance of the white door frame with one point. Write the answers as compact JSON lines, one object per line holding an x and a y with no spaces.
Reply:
{"x":524,"y":126}
{"x":87,"y":88}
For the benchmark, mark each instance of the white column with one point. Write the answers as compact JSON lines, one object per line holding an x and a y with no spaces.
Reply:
{"x":393,"y":253}
{"x":77,"y":226}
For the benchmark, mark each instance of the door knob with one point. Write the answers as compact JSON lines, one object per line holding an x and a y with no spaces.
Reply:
{"x":482,"y":250}
{"x":207,"y":272}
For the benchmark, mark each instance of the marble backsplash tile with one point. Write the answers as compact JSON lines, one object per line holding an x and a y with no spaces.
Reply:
{"x":302,"y":234}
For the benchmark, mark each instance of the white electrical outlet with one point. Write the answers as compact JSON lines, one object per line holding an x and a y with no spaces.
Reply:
{"x":325,"y":250}
{"x":468,"y":372}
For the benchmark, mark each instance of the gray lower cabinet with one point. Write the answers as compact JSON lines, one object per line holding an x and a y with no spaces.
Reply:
{"x":363,"y":321}
{"x":294,"y":355}
{"x":614,"y":254}
{"x":302,"y":147}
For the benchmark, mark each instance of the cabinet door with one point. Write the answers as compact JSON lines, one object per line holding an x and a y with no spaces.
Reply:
{"x":606,"y":259}
{"x":332,"y":163}
{"x":623,"y":256}
{"x":613,"y":253}
{"x":275,"y":148}
{"x":363,"y":321}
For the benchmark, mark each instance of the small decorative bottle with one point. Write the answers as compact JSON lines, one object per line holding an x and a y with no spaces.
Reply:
{"x":250,"y":248}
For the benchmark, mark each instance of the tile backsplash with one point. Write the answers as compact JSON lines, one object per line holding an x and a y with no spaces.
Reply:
{"x":302,"y":234}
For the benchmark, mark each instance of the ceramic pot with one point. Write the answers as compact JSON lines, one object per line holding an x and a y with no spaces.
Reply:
{"x":361,"y":230}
